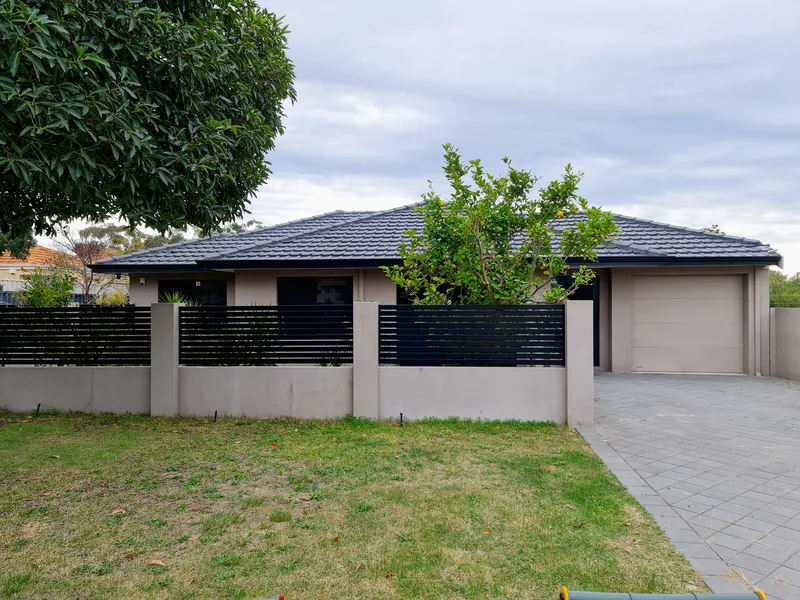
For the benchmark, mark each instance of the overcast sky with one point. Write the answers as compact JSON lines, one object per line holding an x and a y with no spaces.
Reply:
{"x":680,"y":111}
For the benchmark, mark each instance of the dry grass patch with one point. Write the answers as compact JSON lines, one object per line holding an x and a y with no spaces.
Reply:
{"x":133,"y":507}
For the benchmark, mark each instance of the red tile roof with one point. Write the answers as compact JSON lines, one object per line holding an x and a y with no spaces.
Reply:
{"x":39,"y":255}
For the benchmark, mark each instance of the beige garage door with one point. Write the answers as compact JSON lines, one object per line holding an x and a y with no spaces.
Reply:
{"x":688,"y":323}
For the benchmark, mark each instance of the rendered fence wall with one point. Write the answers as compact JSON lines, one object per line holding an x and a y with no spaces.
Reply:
{"x":527,"y":394}
{"x":302,"y":392}
{"x":785,"y":343}
{"x":533,"y":335}
{"x":85,"y":389}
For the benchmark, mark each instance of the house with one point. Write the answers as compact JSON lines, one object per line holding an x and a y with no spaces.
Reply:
{"x":666,"y":299}
{"x":39,"y":257}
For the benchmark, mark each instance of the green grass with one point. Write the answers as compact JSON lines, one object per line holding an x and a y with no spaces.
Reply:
{"x":93,"y":505}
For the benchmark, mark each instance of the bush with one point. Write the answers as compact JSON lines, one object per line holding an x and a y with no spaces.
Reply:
{"x":117,"y":297}
{"x":46,"y":289}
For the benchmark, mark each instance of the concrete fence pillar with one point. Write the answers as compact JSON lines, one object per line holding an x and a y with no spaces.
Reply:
{"x":366,"y":364}
{"x":579,"y":357}
{"x":164,"y":346}
{"x":773,"y":341}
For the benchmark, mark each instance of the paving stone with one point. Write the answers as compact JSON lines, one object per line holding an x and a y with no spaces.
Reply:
{"x":781,"y":510}
{"x":720,"y":454}
{"x":710,"y":522}
{"x":730,"y":541}
{"x":696,"y":550}
{"x":786,"y":574}
{"x":773,"y":548}
{"x":711,"y":566}
{"x":756,"y":524}
{"x":722,"y":515}
{"x":761,"y":566}
{"x":778,"y":590}
{"x":788,"y":534}
{"x":769,"y":517}
{"x":744,"y":532}
{"x":722,"y":552}
{"x":726,"y":585}
{"x":735,"y":508}
{"x":693,"y":504}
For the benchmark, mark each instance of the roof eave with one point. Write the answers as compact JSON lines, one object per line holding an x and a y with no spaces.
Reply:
{"x":374,"y":263}
{"x":674,"y":261}
{"x":126,"y":269}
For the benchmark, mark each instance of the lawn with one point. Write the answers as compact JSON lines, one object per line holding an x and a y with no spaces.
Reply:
{"x":134,"y":507}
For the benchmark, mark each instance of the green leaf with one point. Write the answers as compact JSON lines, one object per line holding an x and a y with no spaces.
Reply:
{"x":13,"y":64}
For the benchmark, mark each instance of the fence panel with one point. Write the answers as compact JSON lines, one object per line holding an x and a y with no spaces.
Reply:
{"x":83,"y":336}
{"x":266,"y":335}
{"x":471,"y":335}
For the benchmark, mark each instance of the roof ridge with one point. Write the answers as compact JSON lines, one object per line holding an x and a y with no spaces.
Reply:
{"x":699,"y":232}
{"x":243,"y":233}
{"x":328,"y":228}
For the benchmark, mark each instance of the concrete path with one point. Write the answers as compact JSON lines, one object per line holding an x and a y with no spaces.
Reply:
{"x":716,"y":460}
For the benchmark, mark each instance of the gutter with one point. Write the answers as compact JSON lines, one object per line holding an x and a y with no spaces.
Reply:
{"x":374,"y":263}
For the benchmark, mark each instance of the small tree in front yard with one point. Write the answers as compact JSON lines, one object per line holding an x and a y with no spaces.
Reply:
{"x":494,"y":241}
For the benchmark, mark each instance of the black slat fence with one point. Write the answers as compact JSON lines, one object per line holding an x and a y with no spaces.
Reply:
{"x":472,"y":335}
{"x":319,"y":334}
{"x":81,"y":335}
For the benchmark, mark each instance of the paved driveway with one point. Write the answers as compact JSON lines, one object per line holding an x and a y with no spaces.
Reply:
{"x":716,"y":459}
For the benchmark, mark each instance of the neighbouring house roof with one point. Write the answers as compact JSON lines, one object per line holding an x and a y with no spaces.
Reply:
{"x":370,"y":239}
{"x":38,"y":256}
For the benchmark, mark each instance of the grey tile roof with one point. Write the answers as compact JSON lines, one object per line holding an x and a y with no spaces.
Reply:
{"x":374,"y":236}
{"x":190,"y":251}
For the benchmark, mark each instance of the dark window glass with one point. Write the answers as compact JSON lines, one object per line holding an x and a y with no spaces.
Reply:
{"x":315,"y":290}
{"x":205,"y":292}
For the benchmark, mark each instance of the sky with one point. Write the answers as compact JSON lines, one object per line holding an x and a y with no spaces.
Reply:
{"x":686,"y":112}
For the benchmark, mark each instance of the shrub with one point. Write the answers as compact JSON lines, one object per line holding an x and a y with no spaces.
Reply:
{"x":46,"y":289}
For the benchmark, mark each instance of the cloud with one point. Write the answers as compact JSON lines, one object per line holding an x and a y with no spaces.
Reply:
{"x":678,"y":111}
{"x":294,"y":196}
{"x":335,"y":123}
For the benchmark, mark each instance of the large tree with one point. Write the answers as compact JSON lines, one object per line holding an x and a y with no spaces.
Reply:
{"x":496,"y":241}
{"x":157,"y":111}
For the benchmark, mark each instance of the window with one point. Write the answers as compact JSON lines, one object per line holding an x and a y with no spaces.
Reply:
{"x":205,"y":292}
{"x":315,"y":290}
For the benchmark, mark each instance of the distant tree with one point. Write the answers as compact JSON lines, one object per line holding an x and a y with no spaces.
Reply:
{"x":122,"y":239}
{"x":495,"y":242}
{"x":161,"y":113}
{"x":784,"y":290}
{"x":80,"y":250}
{"x":45,"y":288}
{"x":239,"y":227}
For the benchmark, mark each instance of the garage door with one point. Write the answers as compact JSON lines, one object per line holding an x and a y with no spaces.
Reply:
{"x":689,"y":323}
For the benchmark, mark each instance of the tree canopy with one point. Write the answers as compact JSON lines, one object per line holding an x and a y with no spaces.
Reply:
{"x":160,"y":113}
{"x":495,"y":241}
{"x":784,"y":290}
